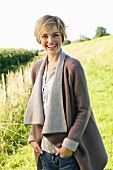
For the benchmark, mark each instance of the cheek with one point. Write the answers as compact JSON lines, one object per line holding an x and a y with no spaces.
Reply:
{"x":39,"y":42}
{"x":42,"y":42}
{"x":59,"y":40}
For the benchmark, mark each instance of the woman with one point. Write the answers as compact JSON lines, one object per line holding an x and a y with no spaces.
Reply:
{"x":64,"y":134}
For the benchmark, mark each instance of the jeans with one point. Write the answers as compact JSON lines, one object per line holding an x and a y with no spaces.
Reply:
{"x":53,"y":162}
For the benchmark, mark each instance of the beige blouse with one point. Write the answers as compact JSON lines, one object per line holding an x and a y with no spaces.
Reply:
{"x":46,"y":88}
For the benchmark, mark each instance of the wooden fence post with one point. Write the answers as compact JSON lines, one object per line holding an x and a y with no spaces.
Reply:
{"x":22,"y":74}
{"x":4,"y":85}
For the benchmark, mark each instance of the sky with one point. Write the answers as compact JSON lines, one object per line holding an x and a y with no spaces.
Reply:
{"x":82,"y":17}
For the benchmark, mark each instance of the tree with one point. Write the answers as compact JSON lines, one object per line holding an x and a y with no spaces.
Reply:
{"x":66,"y":42}
{"x":100,"y":32}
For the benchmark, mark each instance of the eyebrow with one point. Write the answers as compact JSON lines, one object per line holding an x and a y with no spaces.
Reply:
{"x":52,"y":33}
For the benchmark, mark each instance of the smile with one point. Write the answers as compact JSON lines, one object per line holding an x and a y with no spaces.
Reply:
{"x":51,"y":46}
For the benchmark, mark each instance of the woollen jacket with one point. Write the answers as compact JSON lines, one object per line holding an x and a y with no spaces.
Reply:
{"x":82,"y":129}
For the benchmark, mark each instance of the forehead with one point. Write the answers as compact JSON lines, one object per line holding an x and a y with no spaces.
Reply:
{"x":50,"y":30}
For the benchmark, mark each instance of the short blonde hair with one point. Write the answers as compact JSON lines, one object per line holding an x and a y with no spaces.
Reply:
{"x":46,"y":22}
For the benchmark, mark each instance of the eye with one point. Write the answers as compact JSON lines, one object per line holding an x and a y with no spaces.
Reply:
{"x":56,"y":35}
{"x":44,"y":36}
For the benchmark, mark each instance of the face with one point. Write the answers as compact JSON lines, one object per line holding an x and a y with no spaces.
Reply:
{"x":51,"y":41}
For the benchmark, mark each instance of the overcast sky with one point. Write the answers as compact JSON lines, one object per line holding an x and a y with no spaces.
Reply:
{"x":18,"y":18}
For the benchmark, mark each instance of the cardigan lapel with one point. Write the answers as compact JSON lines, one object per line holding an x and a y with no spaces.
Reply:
{"x":34,"y":111}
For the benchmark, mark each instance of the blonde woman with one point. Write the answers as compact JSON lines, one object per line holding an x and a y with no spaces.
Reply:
{"x":64,"y":133}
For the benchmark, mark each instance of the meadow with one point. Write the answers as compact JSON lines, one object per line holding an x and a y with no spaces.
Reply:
{"x":96,"y":57}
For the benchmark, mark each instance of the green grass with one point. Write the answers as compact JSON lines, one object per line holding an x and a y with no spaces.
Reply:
{"x":96,"y":57}
{"x":23,"y":159}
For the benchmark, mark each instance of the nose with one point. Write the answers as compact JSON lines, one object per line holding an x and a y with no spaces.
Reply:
{"x":50,"y":39}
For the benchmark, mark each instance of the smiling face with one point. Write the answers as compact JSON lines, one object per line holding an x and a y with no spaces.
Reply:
{"x":51,"y":40}
{"x":50,"y":32}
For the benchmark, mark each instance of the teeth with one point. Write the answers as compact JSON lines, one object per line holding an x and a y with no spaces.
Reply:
{"x":51,"y":46}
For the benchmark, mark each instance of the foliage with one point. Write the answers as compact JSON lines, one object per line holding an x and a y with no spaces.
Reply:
{"x":96,"y":58}
{"x":100,"y":32}
{"x":66,"y":42}
{"x":11,"y":58}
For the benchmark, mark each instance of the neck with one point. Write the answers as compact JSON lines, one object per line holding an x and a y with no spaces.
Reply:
{"x":53,"y":58}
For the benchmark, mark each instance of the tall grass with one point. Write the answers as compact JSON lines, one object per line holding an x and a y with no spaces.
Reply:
{"x":13,"y":100}
{"x":13,"y":132}
{"x":96,"y":57}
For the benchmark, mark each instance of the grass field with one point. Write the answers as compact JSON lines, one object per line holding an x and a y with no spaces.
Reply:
{"x":96,"y":57}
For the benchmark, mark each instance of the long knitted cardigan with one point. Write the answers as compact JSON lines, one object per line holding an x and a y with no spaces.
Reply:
{"x":81,"y":126}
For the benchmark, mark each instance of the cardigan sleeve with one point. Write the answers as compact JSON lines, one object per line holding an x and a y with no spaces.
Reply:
{"x":82,"y":103}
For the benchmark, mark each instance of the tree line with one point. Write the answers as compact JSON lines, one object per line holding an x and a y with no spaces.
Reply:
{"x":11,"y":58}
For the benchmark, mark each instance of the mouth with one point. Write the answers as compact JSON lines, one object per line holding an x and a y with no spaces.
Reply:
{"x":51,"y":46}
